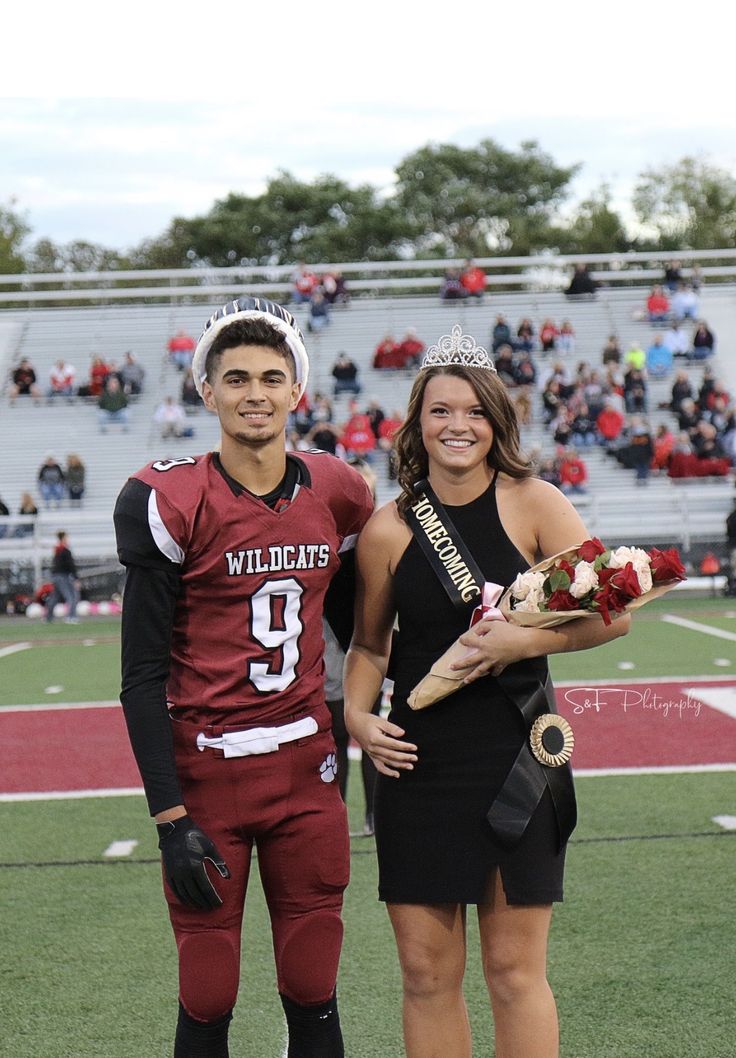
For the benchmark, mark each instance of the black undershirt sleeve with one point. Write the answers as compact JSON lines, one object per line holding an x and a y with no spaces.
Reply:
{"x":148,"y":618}
{"x":340,"y":600}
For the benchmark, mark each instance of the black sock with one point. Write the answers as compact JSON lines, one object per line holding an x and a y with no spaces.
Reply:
{"x":199,"y":1039}
{"x":314,"y":1032}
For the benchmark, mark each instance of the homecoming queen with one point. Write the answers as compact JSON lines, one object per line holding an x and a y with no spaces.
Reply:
{"x":468,"y":809}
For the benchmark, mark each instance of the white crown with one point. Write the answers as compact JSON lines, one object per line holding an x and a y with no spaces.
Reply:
{"x":457,"y":348}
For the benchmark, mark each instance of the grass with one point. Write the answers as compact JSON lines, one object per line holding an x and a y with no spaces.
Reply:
{"x":640,"y":952}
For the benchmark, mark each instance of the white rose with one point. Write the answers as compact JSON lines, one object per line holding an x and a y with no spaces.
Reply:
{"x":586,"y":579}
{"x":532,"y":601}
{"x":532,"y":581}
{"x":639,"y":559}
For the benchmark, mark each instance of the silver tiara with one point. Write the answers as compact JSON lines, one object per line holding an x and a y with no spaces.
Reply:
{"x":457,"y":348}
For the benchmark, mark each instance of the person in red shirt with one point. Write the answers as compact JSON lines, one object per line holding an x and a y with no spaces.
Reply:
{"x":357,"y":437}
{"x":548,"y":333}
{"x":386,"y":433}
{"x":658,"y":306}
{"x":98,"y":373}
{"x":473,"y":280}
{"x":181,"y":349}
{"x":411,"y":348}
{"x":573,"y":473}
{"x":609,"y":423}
{"x":305,"y":283}
{"x":387,"y":354}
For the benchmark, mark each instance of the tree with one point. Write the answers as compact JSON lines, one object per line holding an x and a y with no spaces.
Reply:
{"x":13,"y":231}
{"x":321,"y":221}
{"x":594,"y":228}
{"x":76,"y":256}
{"x":690,"y":205}
{"x":472,"y":201}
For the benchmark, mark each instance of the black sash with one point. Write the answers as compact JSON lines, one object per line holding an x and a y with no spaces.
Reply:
{"x":527,"y":780}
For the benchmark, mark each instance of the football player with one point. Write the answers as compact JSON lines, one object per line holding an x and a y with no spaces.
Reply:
{"x":232,"y":558}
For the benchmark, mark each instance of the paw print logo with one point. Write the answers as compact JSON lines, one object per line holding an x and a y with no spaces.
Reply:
{"x":328,"y":768}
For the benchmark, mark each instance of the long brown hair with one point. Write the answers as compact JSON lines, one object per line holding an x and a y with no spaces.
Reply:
{"x":505,"y":451}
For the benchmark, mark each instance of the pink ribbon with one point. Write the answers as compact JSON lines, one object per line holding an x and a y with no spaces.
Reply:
{"x":487,"y":607}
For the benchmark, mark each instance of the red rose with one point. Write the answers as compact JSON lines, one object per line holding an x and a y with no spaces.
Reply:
{"x":590,"y":549}
{"x":565,"y":566}
{"x":625,"y":581}
{"x":562,"y":600}
{"x":607,"y":599}
{"x":666,"y":565}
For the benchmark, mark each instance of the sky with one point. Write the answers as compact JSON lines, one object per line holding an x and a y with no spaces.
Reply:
{"x":190,"y":105}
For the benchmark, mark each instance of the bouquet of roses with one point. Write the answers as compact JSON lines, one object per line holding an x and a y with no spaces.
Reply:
{"x":586,"y":581}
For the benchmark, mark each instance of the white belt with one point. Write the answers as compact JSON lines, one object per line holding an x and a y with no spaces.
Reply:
{"x":258,"y":739}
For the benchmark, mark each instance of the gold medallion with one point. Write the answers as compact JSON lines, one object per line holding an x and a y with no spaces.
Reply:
{"x":551,"y":740}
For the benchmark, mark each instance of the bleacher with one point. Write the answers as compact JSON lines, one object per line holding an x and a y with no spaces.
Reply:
{"x":680,"y":513}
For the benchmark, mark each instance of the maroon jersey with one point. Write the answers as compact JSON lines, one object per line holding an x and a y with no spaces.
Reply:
{"x":247,"y":622}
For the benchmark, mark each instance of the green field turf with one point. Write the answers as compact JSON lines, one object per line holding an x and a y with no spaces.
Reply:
{"x":640,"y":952}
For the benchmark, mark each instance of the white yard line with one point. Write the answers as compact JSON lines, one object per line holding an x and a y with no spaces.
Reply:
{"x":120,"y":848}
{"x":71,"y":795}
{"x":14,"y":648}
{"x":696,"y":626}
{"x":664,"y":769}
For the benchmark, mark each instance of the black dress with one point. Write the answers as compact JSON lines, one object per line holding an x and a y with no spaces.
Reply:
{"x":433,"y":841}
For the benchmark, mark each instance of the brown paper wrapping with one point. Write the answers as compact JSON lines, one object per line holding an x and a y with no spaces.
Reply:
{"x":441,"y":680}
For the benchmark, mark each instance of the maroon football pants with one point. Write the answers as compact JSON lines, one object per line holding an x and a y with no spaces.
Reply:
{"x":286,"y":803}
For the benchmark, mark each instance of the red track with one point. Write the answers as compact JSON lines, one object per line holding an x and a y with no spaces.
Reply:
{"x":634,"y":725}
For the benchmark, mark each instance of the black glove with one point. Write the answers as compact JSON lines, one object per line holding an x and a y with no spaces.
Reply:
{"x":184,"y":849}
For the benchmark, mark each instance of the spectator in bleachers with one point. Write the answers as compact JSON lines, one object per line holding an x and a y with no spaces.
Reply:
{"x":658,"y":306}
{"x":305,"y":282}
{"x":357,"y":437}
{"x":677,"y":340}
{"x":641,"y":450}
{"x":132,"y":374}
{"x":411,"y":348}
{"x":321,"y":408}
{"x":672,"y":275}
{"x":703,"y":342}
{"x":334,"y":288}
{"x":635,"y":391}
{"x":181,"y":349}
{"x":573,"y":473}
{"x":664,"y":443}
{"x":593,"y":392}
{"x":609,"y":423}
{"x":301,"y":419}
{"x":505,"y":366}
{"x":635,"y":357}
{"x":98,"y":373}
{"x":325,"y":436}
{"x":319,"y":312}
{"x":582,"y":284}
{"x":452,"y":288}
{"x":172,"y":419}
{"x":613,"y":384}
{"x":659,"y":358}
{"x":27,"y":507}
{"x":189,"y":396}
{"x":681,"y":390}
{"x":584,"y":430}
{"x":345,"y":373}
{"x":112,"y":406}
{"x":75,"y":479}
{"x":684,"y":304}
{"x":565,"y":342}
{"x":387,"y":355}
{"x":501,"y":333}
{"x":473,"y":280}
{"x":561,"y":426}
{"x":525,"y":370}
{"x":548,"y":335}
{"x":728,"y":437}
{"x":376,"y":415}
{"x":4,"y":512}
{"x":61,"y":380}
{"x":551,"y":400}
{"x":525,"y":336}
{"x":23,"y":382}
{"x":549,"y":470}
{"x":51,"y":482}
{"x":705,"y":441}
{"x":611,"y":351}
{"x":65,"y":578}
{"x":386,"y":433}
{"x":688,"y":416}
